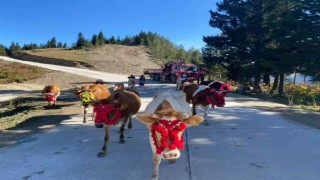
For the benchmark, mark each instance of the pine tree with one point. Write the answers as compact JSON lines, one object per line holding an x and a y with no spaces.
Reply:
{"x":64,"y":45}
{"x":12,"y":48}
{"x":228,"y":49}
{"x":181,"y":55}
{"x":2,"y":50}
{"x":18,"y":47}
{"x":101,"y":38}
{"x":112,"y":40}
{"x":118,"y":41}
{"x":59,"y":45}
{"x":94,"y":40}
{"x":53,"y":42}
{"x":81,"y":41}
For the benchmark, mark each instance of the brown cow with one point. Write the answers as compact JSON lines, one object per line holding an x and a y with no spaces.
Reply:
{"x":166,"y":117}
{"x":51,"y":92}
{"x":117,"y":109}
{"x":90,"y":94}
{"x":205,"y":96}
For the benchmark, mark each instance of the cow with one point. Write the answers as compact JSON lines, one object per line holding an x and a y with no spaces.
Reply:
{"x":166,"y":118}
{"x":205,"y":96}
{"x":90,"y":94}
{"x":116,"y":109}
{"x":51,"y":92}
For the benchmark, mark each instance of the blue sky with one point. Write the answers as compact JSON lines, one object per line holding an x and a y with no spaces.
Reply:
{"x":184,"y":22}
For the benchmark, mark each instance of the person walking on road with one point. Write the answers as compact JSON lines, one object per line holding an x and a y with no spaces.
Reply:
{"x":181,"y":79}
{"x":142,"y":80}
{"x":132,"y":81}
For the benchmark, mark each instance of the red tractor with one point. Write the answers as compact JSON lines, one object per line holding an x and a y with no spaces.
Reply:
{"x":172,"y":70}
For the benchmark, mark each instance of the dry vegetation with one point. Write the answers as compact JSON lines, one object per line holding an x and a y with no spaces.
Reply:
{"x":15,"y":72}
{"x":71,"y":55}
{"x":108,"y":58}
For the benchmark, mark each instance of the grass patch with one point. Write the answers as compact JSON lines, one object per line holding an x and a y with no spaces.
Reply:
{"x":281,"y":100}
{"x":10,"y":117}
{"x":310,"y":108}
{"x":58,"y":53}
{"x":15,"y":72}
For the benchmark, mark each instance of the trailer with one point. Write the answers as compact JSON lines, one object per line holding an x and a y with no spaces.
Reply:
{"x":172,"y":70}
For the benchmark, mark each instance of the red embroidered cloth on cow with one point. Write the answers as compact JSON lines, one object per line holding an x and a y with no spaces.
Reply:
{"x":51,"y":98}
{"x":168,"y":134}
{"x":102,"y":112}
{"x":217,"y":97}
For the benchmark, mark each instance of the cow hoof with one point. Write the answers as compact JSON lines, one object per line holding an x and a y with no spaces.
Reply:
{"x":99,"y":125}
{"x":171,"y":161}
{"x":122,"y":141}
{"x":154,"y":177}
{"x":102,"y":154}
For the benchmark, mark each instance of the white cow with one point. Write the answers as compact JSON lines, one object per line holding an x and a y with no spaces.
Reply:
{"x":166,"y":117}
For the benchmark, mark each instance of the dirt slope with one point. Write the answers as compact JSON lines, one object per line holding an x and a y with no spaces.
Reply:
{"x":108,"y":58}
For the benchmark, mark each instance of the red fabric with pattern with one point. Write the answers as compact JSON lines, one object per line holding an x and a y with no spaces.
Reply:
{"x":169,"y":131}
{"x":51,"y":98}
{"x":102,"y":112}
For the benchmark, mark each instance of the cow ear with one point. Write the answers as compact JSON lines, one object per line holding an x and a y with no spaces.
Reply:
{"x":193,"y":120}
{"x":146,"y":118}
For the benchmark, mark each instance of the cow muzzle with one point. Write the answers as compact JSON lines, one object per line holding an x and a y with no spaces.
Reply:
{"x":170,"y":154}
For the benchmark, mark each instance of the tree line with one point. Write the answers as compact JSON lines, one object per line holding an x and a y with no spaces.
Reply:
{"x":159,"y":47}
{"x":15,"y":46}
{"x":261,"y":38}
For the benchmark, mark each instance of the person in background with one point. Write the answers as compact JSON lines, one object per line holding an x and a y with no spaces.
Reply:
{"x":183,"y":78}
{"x":99,"y":81}
{"x":132,"y":81}
{"x":142,"y":80}
{"x":179,"y":80}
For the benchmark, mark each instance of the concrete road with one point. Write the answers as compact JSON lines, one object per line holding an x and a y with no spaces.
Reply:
{"x":241,"y":143}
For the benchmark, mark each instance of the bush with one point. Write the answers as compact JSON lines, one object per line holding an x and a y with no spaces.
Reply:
{"x":302,"y":94}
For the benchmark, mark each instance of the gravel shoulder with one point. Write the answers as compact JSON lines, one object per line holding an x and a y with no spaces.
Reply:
{"x":298,"y":116}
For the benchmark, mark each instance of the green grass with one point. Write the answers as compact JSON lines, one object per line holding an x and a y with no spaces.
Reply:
{"x":282,"y":100}
{"x":10,"y":117}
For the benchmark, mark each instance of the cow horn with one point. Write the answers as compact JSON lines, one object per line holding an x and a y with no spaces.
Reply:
{"x":154,"y":116}
{"x":124,"y":106}
{"x":185,"y":116}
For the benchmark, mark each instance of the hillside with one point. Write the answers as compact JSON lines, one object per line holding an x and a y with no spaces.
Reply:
{"x":108,"y":58}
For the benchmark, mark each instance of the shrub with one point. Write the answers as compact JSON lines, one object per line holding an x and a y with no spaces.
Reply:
{"x":302,"y":94}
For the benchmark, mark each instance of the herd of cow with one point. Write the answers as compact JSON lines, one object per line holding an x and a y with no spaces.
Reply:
{"x":166,"y":116}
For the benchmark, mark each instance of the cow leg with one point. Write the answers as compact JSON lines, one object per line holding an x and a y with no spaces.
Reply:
{"x":93,"y":115}
{"x":122,"y":127}
{"x":156,"y":163}
{"x":104,"y":149}
{"x":194,"y":112}
{"x":85,"y":112}
{"x":206,"y":110}
{"x":130,"y":123}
